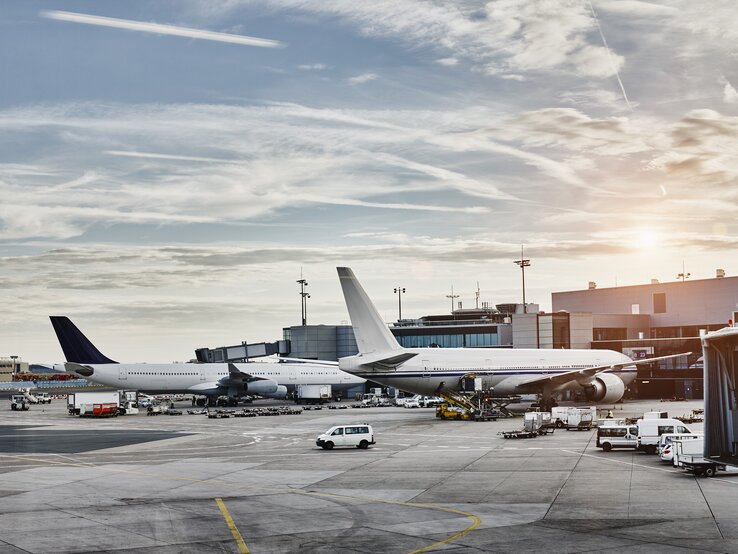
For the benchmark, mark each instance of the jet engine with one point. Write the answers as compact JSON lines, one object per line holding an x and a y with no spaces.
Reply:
{"x":606,"y":388}
{"x":263,"y":387}
{"x":279,"y":394}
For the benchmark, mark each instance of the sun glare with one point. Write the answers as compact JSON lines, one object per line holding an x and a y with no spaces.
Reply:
{"x":647,"y":239}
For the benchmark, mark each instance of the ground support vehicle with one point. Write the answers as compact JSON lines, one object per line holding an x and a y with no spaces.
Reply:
{"x":574,"y":419}
{"x":43,"y":398}
{"x":519,"y":434}
{"x":360,"y":436}
{"x":83,"y":403}
{"x":616,"y":435}
{"x":99,"y":410}
{"x":535,"y":424}
{"x":480,"y":405}
{"x":18,"y":403}
{"x":700,"y":466}
{"x":651,"y":429}
{"x":312,"y":394}
{"x":695,"y":416}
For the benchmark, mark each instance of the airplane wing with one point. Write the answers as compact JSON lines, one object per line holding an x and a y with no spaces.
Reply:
{"x":235,"y":375}
{"x":586,"y":373}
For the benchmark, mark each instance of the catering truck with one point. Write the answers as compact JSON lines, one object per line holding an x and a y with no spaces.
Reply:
{"x":93,"y":404}
{"x":312,"y":394}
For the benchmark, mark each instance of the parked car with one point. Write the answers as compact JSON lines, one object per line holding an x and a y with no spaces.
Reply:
{"x":413,"y":402}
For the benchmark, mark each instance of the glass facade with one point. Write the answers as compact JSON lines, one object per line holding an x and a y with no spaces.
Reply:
{"x":457,"y":340}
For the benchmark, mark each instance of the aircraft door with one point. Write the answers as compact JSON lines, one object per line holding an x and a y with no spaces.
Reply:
{"x":426,"y":369}
{"x":122,"y":373}
{"x":202,"y":374}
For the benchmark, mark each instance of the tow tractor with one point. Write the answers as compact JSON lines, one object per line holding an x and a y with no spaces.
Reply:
{"x":18,"y":402}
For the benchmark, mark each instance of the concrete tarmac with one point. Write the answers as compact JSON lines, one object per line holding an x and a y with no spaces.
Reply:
{"x":192,"y":484}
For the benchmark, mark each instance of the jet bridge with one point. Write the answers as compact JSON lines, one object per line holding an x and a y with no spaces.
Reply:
{"x":720,"y":353}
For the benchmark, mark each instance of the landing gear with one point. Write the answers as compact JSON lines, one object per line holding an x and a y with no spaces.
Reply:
{"x":201,"y":402}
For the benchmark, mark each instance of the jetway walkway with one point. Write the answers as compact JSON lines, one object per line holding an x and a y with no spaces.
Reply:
{"x":720,"y":354}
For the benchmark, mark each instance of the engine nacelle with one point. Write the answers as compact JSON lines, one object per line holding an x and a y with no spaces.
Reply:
{"x":279,"y":394}
{"x":605,"y":388}
{"x":263,"y":387}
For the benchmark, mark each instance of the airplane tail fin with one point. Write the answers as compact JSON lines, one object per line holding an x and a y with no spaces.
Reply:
{"x":372,"y":335}
{"x":77,"y":347}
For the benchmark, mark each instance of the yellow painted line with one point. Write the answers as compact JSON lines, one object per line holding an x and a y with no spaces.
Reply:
{"x":242,"y":548}
{"x":476,"y":522}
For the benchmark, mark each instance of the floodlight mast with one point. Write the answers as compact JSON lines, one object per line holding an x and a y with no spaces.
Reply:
{"x":303,"y":298}
{"x":399,"y":291}
{"x":523,"y":263}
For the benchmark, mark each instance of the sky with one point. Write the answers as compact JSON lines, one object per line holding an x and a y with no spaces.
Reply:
{"x":169,"y":168}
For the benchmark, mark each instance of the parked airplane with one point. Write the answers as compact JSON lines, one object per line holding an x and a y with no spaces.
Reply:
{"x":273,"y":380}
{"x":603,"y":375}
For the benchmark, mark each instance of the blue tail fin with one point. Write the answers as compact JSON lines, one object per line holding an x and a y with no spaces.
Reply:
{"x":77,"y":347}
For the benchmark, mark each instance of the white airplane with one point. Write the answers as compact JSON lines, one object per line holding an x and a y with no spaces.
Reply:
{"x":273,"y":380}
{"x":603,"y":375}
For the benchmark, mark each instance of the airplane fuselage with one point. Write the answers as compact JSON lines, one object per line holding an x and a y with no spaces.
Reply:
{"x":190,"y":378}
{"x":500,"y":369}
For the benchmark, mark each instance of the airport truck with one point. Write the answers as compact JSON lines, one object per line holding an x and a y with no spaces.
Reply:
{"x":18,"y":402}
{"x":94,"y":404}
{"x":570,"y":417}
{"x":312,"y":394}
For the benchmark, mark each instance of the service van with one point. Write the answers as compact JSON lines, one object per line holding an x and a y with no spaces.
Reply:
{"x":617,"y":436}
{"x":649,"y":431}
{"x":360,"y":436}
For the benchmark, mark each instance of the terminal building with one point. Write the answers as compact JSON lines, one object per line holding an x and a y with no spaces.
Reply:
{"x":10,"y":366}
{"x":655,"y":319}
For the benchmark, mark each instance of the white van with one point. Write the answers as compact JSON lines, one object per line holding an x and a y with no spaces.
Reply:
{"x":649,"y":431}
{"x":360,"y":436}
{"x":617,"y":436}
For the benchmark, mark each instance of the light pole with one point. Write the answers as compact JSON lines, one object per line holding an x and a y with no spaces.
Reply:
{"x":683,"y":275}
{"x":453,"y":297}
{"x":303,"y":298}
{"x":398,"y":292}
{"x":523,"y":263}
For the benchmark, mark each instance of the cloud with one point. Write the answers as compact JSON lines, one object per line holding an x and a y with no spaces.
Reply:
{"x":730,"y":95}
{"x":210,"y":164}
{"x":159,"y":28}
{"x":447,"y":61}
{"x":313,"y":67}
{"x":157,"y":156}
{"x":500,"y":38}
{"x":363,"y":78}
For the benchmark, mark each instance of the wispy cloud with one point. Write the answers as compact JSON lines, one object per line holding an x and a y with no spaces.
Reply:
{"x":313,"y":67}
{"x":363,"y":78}
{"x":158,"y":156}
{"x":159,"y":28}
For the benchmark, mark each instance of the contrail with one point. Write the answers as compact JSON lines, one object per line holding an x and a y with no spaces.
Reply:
{"x":609,"y":54}
{"x":159,"y":28}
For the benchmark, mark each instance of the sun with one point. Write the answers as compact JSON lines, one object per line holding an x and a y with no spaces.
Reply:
{"x":647,"y":239}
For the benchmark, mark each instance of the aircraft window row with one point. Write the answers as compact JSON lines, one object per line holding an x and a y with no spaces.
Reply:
{"x":156,"y":373}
